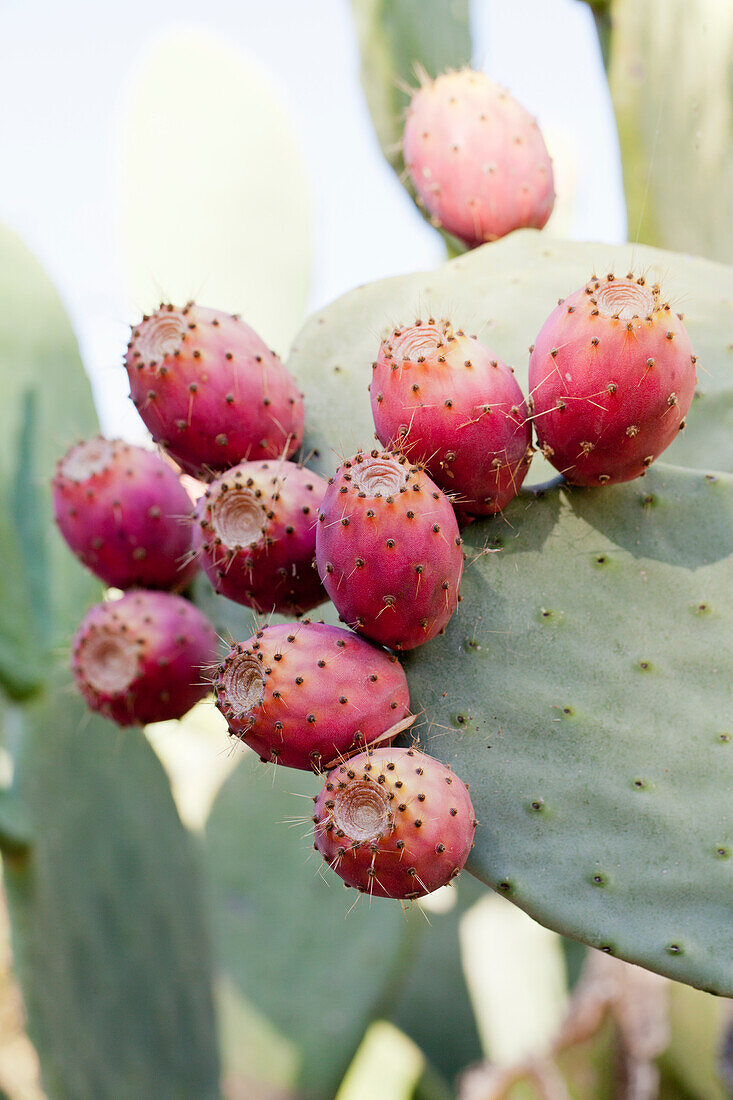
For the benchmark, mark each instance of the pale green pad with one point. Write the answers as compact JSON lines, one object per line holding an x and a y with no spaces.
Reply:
{"x":286,"y":934}
{"x":611,"y":713}
{"x":109,"y":934}
{"x":584,"y":691}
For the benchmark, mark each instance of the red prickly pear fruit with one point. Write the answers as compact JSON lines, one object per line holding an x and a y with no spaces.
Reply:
{"x":394,"y":823}
{"x":476,"y":158}
{"x":210,"y":391}
{"x":612,"y":377}
{"x":305,"y":694}
{"x":388,"y":550}
{"x":448,"y":402}
{"x":255,"y":532}
{"x":125,"y":514}
{"x":140,"y":659}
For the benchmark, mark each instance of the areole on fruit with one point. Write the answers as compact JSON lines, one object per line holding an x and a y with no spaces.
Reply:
{"x":91,"y":457}
{"x":418,"y":340}
{"x":243,"y":684}
{"x":379,"y":476}
{"x":160,"y":335}
{"x":626,"y":299}
{"x":108,"y":659}
{"x":237,"y":517}
{"x":361,"y":811}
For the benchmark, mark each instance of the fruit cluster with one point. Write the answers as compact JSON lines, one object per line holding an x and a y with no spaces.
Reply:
{"x":612,"y":377}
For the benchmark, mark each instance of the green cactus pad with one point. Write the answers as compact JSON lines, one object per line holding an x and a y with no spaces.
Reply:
{"x":397,"y":40}
{"x":503,"y":292}
{"x":286,"y":933}
{"x":593,"y":652}
{"x":670,"y":76}
{"x":46,"y":406}
{"x":21,"y":667}
{"x":447,"y":1033}
{"x":109,"y":937}
{"x":239,"y":237}
{"x":584,"y":691}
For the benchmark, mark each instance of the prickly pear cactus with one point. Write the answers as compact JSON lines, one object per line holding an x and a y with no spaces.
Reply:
{"x":583,"y":687}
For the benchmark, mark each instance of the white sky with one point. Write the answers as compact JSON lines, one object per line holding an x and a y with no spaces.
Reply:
{"x":66,"y":69}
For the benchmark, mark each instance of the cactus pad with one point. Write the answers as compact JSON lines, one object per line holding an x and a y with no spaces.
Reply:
{"x":281,"y":916}
{"x":583,"y":687}
{"x":109,"y":936}
{"x":588,"y":676}
{"x":47,"y":403}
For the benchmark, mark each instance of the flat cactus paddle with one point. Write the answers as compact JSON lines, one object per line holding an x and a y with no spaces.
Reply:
{"x":592,"y":654}
{"x":584,"y":691}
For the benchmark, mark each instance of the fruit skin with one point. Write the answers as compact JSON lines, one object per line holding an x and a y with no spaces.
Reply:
{"x":612,"y":377}
{"x":388,"y":550}
{"x":322,"y":692}
{"x":210,"y":391}
{"x":476,"y":158}
{"x":140,"y":659}
{"x":394,"y":823}
{"x":451,"y":404}
{"x":255,"y":533}
{"x":124,"y":514}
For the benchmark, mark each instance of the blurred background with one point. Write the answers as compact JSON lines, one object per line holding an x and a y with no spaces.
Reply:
{"x":227,"y":152}
{"x":241,"y":139}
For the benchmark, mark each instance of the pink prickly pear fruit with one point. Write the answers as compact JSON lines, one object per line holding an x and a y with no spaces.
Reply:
{"x":612,"y":377}
{"x":449,"y":402}
{"x":140,"y":659}
{"x":124,"y":513}
{"x":305,"y":694}
{"x":255,"y":532}
{"x":476,"y":158}
{"x":394,"y":823}
{"x":210,"y":391}
{"x":388,"y":550}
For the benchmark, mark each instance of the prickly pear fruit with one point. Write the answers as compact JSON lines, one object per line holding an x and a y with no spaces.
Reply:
{"x":476,"y":157}
{"x":448,"y":402}
{"x":612,"y":377}
{"x":210,"y":391}
{"x":305,"y":694}
{"x":395,"y":823}
{"x":124,"y":513}
{"x":255,"y":534}
{"x":388,"y":550}
{"x":140,"y":659}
